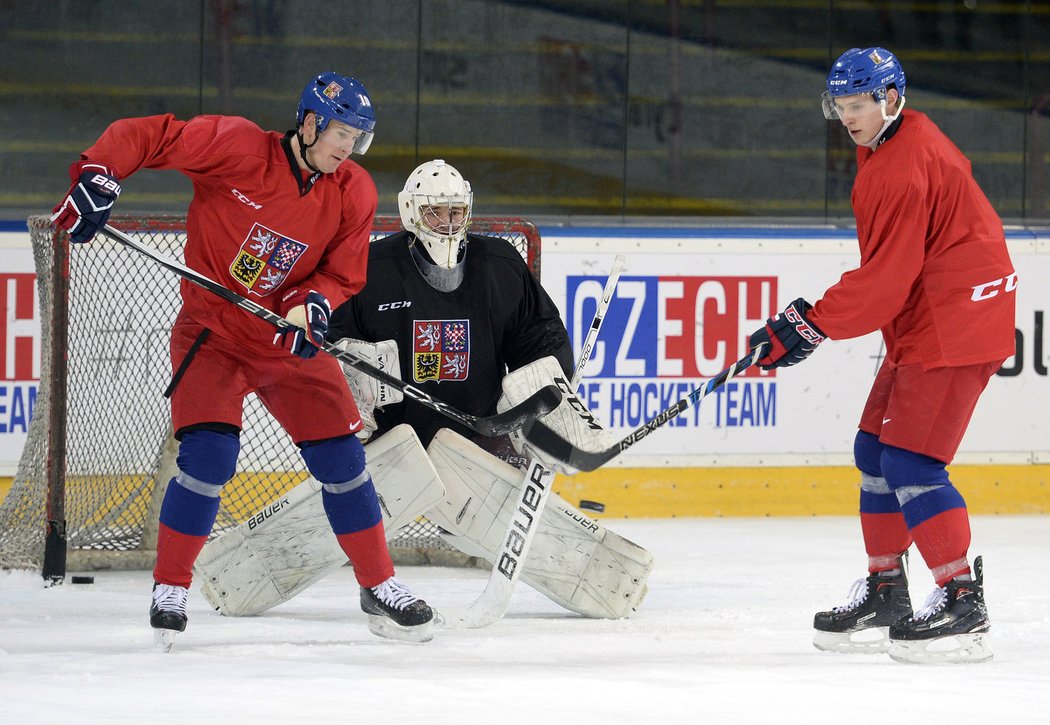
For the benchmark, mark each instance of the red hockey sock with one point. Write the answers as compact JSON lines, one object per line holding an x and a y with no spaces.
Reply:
{"x":943,"y":541}
{"x":369,"y":555}
{"x":175,"y":556}
{"x":886,"y":537}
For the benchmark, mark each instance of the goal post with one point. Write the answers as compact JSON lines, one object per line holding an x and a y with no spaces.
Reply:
{"x":99,"y":450}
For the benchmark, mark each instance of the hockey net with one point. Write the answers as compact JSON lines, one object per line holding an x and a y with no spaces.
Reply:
{"x":100,"y":450}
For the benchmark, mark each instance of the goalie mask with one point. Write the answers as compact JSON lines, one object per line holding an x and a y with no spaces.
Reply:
{"x":435,"y":206}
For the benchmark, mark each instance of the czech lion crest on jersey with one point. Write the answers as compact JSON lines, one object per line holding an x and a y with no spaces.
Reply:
{"x":265,"y":259}
{"x":440,"y":350}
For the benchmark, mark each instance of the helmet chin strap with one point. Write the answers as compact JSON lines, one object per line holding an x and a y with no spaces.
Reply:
{"x":304,"y":147}
{"x":887,"y":122}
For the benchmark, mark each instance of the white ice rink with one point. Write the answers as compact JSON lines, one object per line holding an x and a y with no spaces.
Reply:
{"x":724,"y":637}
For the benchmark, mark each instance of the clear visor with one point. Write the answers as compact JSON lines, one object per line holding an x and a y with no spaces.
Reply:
{"x":837,"y":107}
{"x":445,"y":217}
{"x":362,"y":142}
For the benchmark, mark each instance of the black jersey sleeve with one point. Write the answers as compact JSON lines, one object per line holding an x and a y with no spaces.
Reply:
{"x":536,"y":329}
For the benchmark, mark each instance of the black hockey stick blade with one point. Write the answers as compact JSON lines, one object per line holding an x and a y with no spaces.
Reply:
{"x":556,"y":447}
{"x":539,"y":403}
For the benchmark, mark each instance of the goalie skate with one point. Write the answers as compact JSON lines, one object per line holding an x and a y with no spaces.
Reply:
{"x":951,"y":626}
{"x":862,"y":624}
{"x":393,"y":612}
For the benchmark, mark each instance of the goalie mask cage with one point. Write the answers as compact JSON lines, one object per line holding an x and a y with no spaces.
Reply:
{"x":100,"y":451}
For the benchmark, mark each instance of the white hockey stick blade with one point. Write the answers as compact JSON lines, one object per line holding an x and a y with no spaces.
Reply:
{"x":493,"y":602}
{"x":535,"y":492}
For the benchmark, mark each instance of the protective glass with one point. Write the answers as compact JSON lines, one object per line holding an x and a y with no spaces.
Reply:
{"x":835,"y":107}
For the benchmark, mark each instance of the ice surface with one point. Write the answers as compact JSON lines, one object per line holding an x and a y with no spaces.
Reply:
{"x":724,"y":637}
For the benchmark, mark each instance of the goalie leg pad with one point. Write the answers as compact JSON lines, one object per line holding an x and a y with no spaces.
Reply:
{"x":574,"y":561}
{"x":289,"y":544}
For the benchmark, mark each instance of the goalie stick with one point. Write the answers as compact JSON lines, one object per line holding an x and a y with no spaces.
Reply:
{"x":545,"y":439}
{"x":509,"y":561}
{"x":540,"y":403}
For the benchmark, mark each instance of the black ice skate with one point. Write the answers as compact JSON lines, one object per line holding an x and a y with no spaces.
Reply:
{"x":862,"y":624}
{"x":395,"y":613}
{"x":167,"y":614}
{"x":950,"y":626}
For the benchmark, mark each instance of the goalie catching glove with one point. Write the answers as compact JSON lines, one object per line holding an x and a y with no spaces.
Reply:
{"x":368,"y":392}
{"x":571,"y":419}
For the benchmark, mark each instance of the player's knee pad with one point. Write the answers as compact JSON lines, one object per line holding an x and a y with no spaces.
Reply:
{"x":209,"y":455}
{"x":335,"y":460}
{"x":867,"y":452}
{"x":902,"y":468}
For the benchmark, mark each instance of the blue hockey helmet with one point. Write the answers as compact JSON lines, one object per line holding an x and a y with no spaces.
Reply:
{"x":868,"y":70}
{"x":342,"y":98}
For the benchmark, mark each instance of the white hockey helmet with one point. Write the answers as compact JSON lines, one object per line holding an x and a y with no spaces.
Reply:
{"x":435,"y":205}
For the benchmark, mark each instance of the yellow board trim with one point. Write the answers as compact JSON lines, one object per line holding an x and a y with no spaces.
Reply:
{"x":802,"y":491}
{"x":731,"y":491}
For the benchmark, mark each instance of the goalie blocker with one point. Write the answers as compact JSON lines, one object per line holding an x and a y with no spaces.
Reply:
{"x":288,"y":545}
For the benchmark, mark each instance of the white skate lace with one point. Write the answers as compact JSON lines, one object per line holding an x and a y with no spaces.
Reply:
{"x":394,"y":594}
{"x":858,"y":594}
{"x":170,"y":598}
{"x":933,"y":604}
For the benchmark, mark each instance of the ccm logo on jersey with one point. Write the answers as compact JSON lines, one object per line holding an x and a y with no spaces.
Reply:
{"x":988,"y":290}
{"x":245,"y":199}
{"x":394,"y":305}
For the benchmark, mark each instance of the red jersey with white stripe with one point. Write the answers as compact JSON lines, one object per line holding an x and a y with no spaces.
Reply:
{"x":253,"y":225}
{"x":935,"y":275}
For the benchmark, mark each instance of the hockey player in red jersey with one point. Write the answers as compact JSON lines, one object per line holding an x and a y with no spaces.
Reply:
{"x":285,"y":221}
{"x":935,"y":277}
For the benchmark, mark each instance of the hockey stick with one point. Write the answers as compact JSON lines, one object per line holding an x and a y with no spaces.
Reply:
{"x":540,"y":403}
{"x":509,"y":561}
{"x":559,"y":449}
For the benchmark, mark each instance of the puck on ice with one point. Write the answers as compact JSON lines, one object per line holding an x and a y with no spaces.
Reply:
{"x":82,"y":579}
{"x":595,"y":506}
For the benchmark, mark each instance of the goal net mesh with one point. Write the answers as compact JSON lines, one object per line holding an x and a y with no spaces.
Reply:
{"x":114,"y":312}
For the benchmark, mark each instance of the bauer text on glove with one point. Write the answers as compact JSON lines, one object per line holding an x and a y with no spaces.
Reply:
{"x":86,"y":207}
{"x":790,"y":337}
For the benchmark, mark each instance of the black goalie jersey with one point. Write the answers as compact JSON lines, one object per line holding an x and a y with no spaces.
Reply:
{"x":458,"y":345}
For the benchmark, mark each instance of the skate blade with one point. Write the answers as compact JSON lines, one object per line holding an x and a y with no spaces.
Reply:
{"x":874,"y":640}
{"x":382,"y":626}
{"x":164,"y":639}
{"x":957,"y":649}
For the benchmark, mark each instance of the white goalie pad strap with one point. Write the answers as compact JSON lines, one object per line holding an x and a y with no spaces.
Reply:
{"x":574,"y":560}
{"x":289,"y":544}
{"x":571,"y":419}
{"x":368,"y":392}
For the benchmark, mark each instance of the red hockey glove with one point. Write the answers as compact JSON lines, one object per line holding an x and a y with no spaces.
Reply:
{"x":309,"y":312}
{"x":87,"y":206}
{"x":790,"y":335}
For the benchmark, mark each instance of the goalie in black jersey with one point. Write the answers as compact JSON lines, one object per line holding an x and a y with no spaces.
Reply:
{"x":460,"y":316}
{"x":461,"y":309}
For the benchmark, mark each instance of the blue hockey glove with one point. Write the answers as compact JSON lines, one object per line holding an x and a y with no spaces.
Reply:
{"x":309,"y":312}
{"x":790,"y":335}
{"x":87,"y":206}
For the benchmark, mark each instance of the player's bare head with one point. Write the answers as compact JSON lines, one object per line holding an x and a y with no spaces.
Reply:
{"x":865,"y":91}
{"x":435,"y":206}
{"x":332,"y":97}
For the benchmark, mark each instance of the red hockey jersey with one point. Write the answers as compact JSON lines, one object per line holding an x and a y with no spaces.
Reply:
{"x":935,"y":275}
{"x":249,"y":225}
